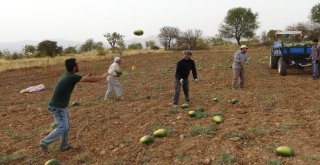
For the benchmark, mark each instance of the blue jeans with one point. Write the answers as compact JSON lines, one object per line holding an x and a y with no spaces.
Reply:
{"x":61,"y":118}
{"x":315,"y":68}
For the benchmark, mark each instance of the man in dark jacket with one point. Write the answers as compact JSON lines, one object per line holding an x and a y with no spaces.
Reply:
{"x":183,"y":69}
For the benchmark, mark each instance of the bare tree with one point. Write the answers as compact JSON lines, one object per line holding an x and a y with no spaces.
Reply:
{"x":189,"y":38}
{"x":150,"y":44}
{"x":167,"y":36}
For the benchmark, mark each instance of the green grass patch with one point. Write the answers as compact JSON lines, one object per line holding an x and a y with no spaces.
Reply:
{"x":12,"y":133}
{"x":144,"y":160}
{"x":274,"y":162}
{"x":182,"y":158}
{"x":84,"y":159}
{"x":6,"y":159}
{"x":243,"y":136}
{"x":31,"y":160}
{"x":203,"y":130}
{"x":260,"y":131}
{"x":314,"y":157}
{"x":227,"y":158}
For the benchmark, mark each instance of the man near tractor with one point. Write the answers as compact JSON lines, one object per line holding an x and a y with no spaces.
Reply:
{"x":239,"y":60}
{"x":315,"y":57}
{"x":184,"y":66}
{"x":58,"y":105}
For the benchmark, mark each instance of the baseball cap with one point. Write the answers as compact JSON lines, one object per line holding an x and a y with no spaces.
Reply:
{"x":244,"y":47}
{"x":187,"y":52}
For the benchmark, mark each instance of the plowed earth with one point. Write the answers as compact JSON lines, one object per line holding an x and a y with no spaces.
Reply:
{"x":272,"y":111}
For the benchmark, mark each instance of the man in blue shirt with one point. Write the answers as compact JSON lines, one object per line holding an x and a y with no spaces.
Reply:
{"x":239,"y":60}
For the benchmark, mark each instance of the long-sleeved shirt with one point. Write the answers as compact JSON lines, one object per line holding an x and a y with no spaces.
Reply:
{"x":114,"y":67}
{"x":239,"y":57}
{"x":183,"y":69}
{"x":315,"y":53}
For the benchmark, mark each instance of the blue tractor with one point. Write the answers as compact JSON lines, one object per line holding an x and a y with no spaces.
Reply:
{"x":286,"y":53}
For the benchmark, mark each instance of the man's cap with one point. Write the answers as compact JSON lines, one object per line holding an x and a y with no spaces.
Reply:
{"x":244,"y":47}
{"x":187,"y":52}
{"x":116,"y":59}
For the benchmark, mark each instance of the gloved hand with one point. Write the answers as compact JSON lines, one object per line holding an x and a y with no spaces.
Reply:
{"x":196,"y":80}
{"x":181,"y":81}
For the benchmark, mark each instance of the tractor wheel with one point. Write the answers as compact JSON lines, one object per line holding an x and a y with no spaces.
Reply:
{"x":282,"y":66}
{"x":273,"y":61}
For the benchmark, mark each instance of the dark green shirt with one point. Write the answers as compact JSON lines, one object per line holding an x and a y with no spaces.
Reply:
{"x":63,"y":89}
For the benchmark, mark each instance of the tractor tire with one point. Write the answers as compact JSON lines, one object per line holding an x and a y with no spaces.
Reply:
{"x":273,"y":62}
{"x":282,"y":67}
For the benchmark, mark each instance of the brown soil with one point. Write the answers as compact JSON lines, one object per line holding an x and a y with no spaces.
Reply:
{"x":273,"y":111}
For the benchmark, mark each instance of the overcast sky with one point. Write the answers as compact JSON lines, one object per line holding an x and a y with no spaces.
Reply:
{"x":79,"y":20}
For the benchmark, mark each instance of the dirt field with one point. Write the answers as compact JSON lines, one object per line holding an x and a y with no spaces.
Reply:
{"x":273,"y":111}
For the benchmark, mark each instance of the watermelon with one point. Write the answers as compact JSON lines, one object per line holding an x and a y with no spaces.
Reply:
{"x":52,"y":162}
{"x":234,"y":101}
{"x":133,"y":68}
{"x":217,"y":119}
{"x":218,"y":114}
{"x":74,"y":104}
{"x":138,"y":32}
{"x":53,"y":125}
{"x":148,"y":139}
{"x":192,"y":113}
{"x":215,"y":100}
{"x":119,"y":73}
{"x":160,"y":133}
{"x":285,"y":151}
{"x":185,"y":105}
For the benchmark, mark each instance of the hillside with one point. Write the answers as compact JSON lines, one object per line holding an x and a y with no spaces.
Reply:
{"x":273,"y":111}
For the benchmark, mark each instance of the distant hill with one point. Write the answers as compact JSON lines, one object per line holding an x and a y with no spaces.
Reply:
{"x":18,"y":46}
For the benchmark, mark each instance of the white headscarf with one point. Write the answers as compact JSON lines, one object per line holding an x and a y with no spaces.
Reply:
{"x":116,"y":59}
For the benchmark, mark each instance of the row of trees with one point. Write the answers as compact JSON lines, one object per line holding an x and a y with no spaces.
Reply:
{"x":239,"y":23}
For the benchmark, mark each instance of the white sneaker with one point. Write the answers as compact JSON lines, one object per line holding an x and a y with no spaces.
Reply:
{"x":175,"y":106}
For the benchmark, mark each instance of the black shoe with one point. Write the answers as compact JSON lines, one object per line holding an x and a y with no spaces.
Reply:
{"x":66,"y":149}
{"x":43,"y":148}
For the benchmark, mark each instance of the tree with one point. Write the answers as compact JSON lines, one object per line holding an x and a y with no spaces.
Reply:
{"x":309,"y":30}
{"x":264,"y":36}
{"x":167,"y":36}
{"x":135,"y":46}
{"x":315,"y":13}
{"x":70,"y":50}
{"x":271,"y":34}
{"x":150,"y":44}
{"x":248,"y":35}
{"x":114,"y":39}
{"x":29,"y":50}
{"x":49,"y":48}
{"x":189,"y":39}
{"x":238,"y":22}
{"x":87,"y":46}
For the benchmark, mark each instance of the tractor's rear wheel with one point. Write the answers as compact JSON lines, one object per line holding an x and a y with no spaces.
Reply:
{"x":273,"y":61}
{"x":282,"y":66}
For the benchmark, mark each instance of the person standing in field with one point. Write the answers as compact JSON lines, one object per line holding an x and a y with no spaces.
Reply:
{"x":184,"y":66}
{"x":58,"y":105}
{"x":239,"y":60}
{"x":315,"y":57}
{"x":113,"y":80}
